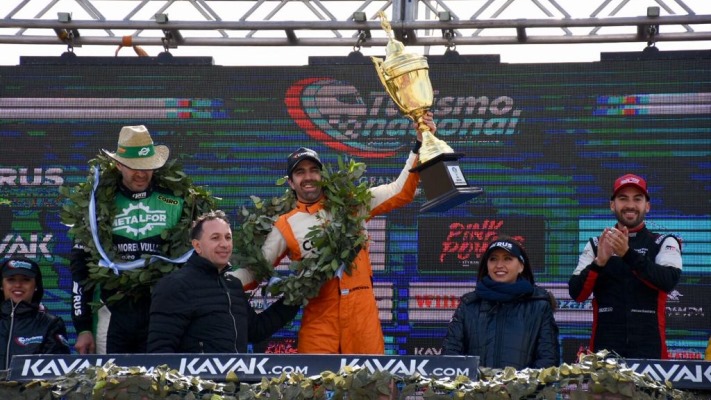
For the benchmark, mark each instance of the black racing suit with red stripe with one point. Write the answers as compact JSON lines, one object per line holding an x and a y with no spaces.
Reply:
{"x":630,"y":293}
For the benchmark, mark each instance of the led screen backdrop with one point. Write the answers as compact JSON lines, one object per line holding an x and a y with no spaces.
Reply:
{"x":545,"y":142}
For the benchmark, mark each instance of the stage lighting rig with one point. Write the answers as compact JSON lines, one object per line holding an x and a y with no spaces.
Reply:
{"x":66,"y":35}
{"x":448,"y":34}
{"x":363,"y":34}
{"x":649,"y":32}
{"x":171,"y":37}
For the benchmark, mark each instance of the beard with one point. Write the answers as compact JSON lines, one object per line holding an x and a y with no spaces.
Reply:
{"x":309,"y":196}
{"x":626,"y":221}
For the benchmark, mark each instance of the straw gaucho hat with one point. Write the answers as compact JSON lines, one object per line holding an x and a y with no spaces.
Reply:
{"x":137,"y":151}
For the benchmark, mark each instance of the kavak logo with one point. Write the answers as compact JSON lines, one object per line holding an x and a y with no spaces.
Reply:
{"x":455,"y":245}
{"x":424,"y":346}
{"x":370,"y":125}
{"x":683,"y":374}
{"x":248,"y":367}
{"x":36,"y":245}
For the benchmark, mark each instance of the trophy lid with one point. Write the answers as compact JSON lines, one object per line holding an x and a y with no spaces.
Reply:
{"x":394,"y":47}
{"x":397,"y":60}
{"x":404,"y":63}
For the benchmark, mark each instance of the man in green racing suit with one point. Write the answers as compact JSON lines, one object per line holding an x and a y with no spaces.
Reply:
{"x":144,"y":206}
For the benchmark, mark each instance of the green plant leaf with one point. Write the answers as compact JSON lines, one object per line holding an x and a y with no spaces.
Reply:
{"x":334,"y":237}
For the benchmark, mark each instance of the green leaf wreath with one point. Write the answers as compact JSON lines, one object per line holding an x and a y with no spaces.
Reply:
{"x":337,"y":238}
{"x":75,"y":214}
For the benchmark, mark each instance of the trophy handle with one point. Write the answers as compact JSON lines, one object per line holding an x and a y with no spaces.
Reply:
{"x":379,"y":69}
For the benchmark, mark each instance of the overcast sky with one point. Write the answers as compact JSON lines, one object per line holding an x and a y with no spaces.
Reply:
{"x":184,"y":11}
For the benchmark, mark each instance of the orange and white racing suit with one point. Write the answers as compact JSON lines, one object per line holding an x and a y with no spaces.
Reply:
{"x":343,"y":317}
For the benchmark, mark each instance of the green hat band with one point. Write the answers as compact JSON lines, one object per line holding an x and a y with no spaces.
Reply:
{"x":136,"y":151}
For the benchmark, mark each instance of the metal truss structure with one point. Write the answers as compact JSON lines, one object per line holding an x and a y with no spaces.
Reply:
{"x":173,"y":23}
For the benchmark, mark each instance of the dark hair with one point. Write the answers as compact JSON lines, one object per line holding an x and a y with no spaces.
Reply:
{"x":196,"y":230}
{"x":36,"y":271}
{"x":516,"y":249}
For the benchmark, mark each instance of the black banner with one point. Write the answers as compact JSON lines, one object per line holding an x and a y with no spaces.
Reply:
{"x":454,"y":244}
{"x":544,"y":141}
{"x":683,"y":374}
{"x":248,"y":367}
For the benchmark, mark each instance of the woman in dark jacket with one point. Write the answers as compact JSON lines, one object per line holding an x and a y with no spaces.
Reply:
{"x":25,"y":326}
{"x":202,"y":309}
{"x":507,"y":321}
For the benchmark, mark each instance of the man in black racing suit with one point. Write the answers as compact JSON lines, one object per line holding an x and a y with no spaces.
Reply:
{"x":143,"y":211}
{"x":629,"y":270}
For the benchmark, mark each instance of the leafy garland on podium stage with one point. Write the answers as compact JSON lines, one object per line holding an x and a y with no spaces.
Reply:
{"x":594,"y":376}
{"x":338,"y":238}
{"x":75,"y":214}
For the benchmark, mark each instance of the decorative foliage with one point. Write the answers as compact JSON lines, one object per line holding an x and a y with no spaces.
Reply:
{"x":337,"y":238}
{"x":596,"y":376}
{"x":75,"y":214}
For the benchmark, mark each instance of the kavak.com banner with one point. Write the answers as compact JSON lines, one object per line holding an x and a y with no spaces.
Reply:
{"x":248,"y":367}
{"x":683,"y":374}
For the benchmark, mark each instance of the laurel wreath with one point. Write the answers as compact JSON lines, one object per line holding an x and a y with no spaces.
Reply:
{"x":75,"y":214}
{"x":337,"y":238}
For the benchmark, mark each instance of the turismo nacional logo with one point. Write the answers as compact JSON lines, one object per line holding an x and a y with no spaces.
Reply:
{"x":334,"y":113}
{"x":370,"y":125}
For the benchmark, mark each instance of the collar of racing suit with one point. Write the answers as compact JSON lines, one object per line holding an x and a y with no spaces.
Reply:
{"x":311,"y":208}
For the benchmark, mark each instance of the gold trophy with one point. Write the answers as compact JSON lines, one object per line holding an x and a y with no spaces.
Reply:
{"x":405,"y":77}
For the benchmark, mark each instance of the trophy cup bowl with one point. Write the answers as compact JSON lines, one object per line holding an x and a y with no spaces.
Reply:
{"x":408,"y":84}
{"x":405,"y":77}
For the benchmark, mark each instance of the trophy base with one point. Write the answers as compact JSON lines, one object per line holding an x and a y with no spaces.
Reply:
{"x":444,"y":184}
{"x":451,"y":199}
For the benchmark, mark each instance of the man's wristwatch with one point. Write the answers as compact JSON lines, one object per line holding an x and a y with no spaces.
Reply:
{"x":416,"y":147}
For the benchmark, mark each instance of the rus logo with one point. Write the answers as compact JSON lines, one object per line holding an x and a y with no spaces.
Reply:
{"x":31,"y":177}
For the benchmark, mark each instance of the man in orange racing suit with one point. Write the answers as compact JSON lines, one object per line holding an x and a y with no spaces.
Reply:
{"x":343,"y":317}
